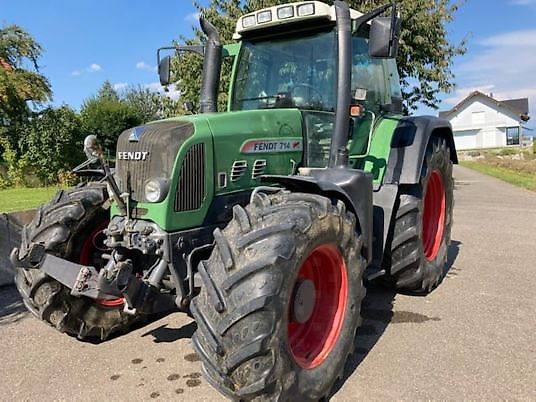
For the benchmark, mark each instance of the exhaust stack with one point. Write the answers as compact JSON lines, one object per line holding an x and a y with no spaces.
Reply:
{"x":208,"y":99}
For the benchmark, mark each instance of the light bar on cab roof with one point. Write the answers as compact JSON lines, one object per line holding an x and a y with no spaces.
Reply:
{"x":286,"y":14}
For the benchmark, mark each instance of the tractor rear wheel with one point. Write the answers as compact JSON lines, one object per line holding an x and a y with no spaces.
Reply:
{"x":71,"y":227}
{"x":281,"y":298}
{"x":417,"y":254}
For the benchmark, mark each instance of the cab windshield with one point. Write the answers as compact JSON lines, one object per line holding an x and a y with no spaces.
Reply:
{"x":295,"y":72}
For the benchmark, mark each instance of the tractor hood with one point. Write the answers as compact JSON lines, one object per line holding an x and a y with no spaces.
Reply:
{"x":199,"y":158}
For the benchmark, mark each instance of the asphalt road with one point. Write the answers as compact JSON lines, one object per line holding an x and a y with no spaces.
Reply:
{"x":472,"y":338}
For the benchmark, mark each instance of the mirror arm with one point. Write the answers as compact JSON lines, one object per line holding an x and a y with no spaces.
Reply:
{"x":199,"y":49}
{"x":372,"y":14}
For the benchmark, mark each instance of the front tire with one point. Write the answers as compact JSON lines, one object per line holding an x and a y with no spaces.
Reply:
{"x":420,"y":238}
{"x":70,"y":227}
{"x":261,"y":335}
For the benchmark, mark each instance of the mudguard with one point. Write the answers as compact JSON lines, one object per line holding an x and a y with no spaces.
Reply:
{"x":353,"y":187}
{"x":408,"y":147}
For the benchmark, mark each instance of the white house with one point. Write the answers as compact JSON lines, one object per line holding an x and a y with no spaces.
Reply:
{"x":479,"y":121}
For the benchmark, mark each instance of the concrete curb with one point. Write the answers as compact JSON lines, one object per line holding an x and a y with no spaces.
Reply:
{"x":10,"y":227}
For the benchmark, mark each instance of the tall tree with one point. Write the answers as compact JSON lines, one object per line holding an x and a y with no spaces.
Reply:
{"x":106,"y":116}
{"x":424,"y":61}
{"x":20,"y":79}
{"x":150,"y":105}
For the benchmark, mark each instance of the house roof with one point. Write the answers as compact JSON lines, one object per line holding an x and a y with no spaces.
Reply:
{"x":519,"y":107}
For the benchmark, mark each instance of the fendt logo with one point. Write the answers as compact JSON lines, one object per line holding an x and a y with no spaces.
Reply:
{"x":132,"y":156}
{"x":271,"y":146}
{"x":136,"y":133}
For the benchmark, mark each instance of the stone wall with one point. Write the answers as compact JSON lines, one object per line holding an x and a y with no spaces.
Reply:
{"x":10,"y":228}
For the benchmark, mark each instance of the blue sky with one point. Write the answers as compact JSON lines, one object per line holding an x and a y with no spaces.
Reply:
{"x":87,"y":42}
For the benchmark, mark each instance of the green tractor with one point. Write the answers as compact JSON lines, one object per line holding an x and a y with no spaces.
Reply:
{"x":263,"y":220}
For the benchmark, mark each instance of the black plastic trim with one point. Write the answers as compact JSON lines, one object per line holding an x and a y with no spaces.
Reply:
{"x":408,"y":147}
{"x":353,"y":187}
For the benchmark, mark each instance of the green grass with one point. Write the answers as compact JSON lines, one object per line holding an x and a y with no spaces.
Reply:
{"x":19,"y":199}
{"x":520,"y":179}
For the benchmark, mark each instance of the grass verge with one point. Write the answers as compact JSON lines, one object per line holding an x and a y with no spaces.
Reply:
{"x":19,"y":199}
{"x":524,"y":179}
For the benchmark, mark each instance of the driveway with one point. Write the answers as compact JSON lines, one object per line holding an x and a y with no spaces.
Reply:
{"x":472,"y":338}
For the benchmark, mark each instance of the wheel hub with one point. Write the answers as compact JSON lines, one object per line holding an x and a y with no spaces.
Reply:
{"x":317,"y":306}
{"x":304,"y":300}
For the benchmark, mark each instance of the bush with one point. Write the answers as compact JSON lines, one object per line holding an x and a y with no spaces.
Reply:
{"x":107,"y":118}
{"x":52,"y":143}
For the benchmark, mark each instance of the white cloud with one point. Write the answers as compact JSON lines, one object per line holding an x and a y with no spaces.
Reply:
{"x":172,"y":91}
{"x":193,"y":17}
{"x":141,"y":65}
{"x":92,"y":68}
{"x":506,"y":66}
{"x":120,"y":85}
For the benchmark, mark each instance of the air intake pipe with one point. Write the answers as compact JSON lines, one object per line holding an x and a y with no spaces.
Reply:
{"x":338,"y":152}
{"x":208,"y":99}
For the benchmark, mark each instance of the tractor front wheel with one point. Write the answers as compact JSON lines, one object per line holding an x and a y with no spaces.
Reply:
{"x":71,"y":227}
{"x":281,"y":298}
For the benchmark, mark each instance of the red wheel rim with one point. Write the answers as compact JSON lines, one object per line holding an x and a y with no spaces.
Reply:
{"x":311,"y":342}
{"x":433,"y":223}
{"x":94,"y":243}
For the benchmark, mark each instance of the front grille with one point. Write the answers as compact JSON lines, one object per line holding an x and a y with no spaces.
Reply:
{"x":160,"y":142}
{"x":258,"y":168}
{"x":191,"y":190}
{"x":238,"y":170}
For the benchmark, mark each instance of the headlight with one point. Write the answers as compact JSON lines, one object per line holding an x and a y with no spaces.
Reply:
{"x":264,"y":16}
{"x":156,"y":190}
{"x":285,"y":12}
{"x":306,"y":9}
{"x":248,"y":21}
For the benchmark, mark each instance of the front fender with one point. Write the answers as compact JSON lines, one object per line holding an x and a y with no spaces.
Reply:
{"x":353,"y":187}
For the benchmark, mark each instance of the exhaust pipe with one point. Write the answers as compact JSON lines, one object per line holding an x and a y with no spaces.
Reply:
{"x":208,"y":99}
{"x":338,"y":154}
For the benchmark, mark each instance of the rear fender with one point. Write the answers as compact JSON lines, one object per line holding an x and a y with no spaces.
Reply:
{"x":353,"y":187}
{"x":408,"y":147}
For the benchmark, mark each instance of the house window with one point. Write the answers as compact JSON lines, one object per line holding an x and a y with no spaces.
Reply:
{"x":512,"y":136}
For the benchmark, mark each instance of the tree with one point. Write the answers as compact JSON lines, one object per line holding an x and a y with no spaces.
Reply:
{"x":20,"y":80}
{"x":107,"y":116}
{"x":424,"y":61}
{"x":150,"y":105}
{"x":53,"y":143}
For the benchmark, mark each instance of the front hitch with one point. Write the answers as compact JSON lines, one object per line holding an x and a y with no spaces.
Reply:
{"x":105,"y":284}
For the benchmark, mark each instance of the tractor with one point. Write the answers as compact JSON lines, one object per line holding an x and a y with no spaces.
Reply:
{"x":262,"y":221}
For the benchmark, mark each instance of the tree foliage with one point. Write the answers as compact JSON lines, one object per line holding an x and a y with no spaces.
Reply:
{"x":424,"y":61}
{"x":20,"y":79}
{"x":106,"y":116}
{"x":53,"y":143}
{"x":150,"y":105}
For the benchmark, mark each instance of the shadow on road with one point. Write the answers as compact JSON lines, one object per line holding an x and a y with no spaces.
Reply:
{"x":11,"y":306}
{"x":163,"y":334}
{"x":377,"y":312}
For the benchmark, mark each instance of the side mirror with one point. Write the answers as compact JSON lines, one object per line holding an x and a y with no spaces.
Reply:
{"x":164,"y":67}
{"x":384,"y":37}
{"x":92,"y":149}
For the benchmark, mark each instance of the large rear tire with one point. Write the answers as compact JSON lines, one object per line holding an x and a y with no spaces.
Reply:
{"x":70,"y":227}
{"x":420,"y":238}
{"x":281,"y":298}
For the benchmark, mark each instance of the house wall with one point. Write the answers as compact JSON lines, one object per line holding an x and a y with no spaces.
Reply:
{"x":481,"y":124}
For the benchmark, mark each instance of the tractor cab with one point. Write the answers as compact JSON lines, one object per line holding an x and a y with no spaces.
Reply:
{"x":288,"y":59}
